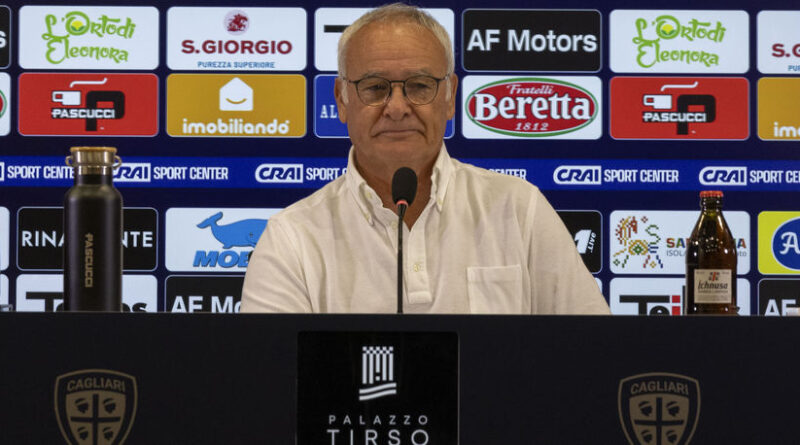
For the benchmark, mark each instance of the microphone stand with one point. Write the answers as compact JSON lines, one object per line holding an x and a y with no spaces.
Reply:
{"x":402,"y":205}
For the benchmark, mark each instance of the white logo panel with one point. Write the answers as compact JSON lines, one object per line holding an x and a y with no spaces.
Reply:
{"x":5,"y":105}
{"x":3,"y":290}
{"x":329,"y":23}
{"x":654,"y":242}
{"x":44,"y":293}
{"x":679,"y":41}
{"x":778,"y":42}
{"x":88,"y":37}
{"x":661,"y":296}
{"x":213,"y":239}
{"x":5,"y":237}
{"x":236,"y":39}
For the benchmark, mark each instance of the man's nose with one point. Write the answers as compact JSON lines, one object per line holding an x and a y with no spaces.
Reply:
{"x":397,"y":105}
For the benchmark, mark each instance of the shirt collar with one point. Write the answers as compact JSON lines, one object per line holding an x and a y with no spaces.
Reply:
{"x":368,"y":200}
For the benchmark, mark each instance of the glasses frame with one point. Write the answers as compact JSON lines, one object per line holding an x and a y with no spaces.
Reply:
{"x":391,"y":88}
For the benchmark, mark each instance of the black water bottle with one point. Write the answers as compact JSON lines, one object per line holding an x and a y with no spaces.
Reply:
{"x":93,"y":233}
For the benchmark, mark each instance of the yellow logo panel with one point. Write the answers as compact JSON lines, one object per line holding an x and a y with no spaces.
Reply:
{"x":779,"y":243}
{"x":226,"y":105}
{"x":779,"y":108}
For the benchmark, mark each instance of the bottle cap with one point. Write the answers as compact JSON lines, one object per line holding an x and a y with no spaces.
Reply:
{"x":711,"y":194}
{"x":93,"y":160}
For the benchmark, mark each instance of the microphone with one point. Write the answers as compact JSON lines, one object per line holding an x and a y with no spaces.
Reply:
{"x":404,"y":190}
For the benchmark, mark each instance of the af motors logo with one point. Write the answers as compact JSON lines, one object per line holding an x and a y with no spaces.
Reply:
{"x":89,"y":37}
{"x":5,"y":104}
{"x":203,"y":293}
{"x":654,"y":242}
{"x":679,"y":108}
{"x":679,"y":41}
{"x":45,"y":293}
{"x":661,"y":296}
{"x":779,"y":108}
{"x":778,"y":42}
{"x":236,"y":39}
{"x":213,"y":239}
{"x":329,"y":24}
{"x":100,"y":104}
{"x":523,"y":107}
{"x":95,"y":406}
{"x":5,"y":36}
{"x":779,"y":243}
{"x":718,"y":175}
{"x":779,"y":297}
{"x":531,"y":40}
{"x":247,"y":105}
{"x":659,"y":408}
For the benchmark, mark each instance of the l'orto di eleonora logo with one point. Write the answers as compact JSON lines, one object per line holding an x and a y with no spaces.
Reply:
{"x":377,"y":372}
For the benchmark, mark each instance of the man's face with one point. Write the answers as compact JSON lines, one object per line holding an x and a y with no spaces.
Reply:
{"x":397,"y":132}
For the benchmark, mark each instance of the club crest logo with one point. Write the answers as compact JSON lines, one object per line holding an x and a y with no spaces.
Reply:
{"x":659,"y":408}
{"x":95,"y":406}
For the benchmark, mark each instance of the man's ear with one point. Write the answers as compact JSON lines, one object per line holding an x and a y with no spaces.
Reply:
{"x":341,"y":103}
{"x":451,"y":111}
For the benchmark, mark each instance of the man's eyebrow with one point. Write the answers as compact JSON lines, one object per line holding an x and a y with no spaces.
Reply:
{"x":408,"y":74}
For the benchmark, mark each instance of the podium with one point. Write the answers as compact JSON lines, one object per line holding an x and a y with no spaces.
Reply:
{"x":233,"y":379}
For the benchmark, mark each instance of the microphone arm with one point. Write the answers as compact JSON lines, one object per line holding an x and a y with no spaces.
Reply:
{"x":404,"y":189}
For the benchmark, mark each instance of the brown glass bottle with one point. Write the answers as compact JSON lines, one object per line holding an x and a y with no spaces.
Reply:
{"x":711,"y":261}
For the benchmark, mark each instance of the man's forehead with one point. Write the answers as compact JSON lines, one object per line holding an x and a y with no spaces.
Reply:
{"x":395,"y":49}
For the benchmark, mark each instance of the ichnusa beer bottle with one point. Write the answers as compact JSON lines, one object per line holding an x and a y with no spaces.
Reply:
{"x":93,"y":233}
{"x":711,"y":261}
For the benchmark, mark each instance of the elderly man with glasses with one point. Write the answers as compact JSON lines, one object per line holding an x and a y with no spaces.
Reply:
{"x":475,"y":241}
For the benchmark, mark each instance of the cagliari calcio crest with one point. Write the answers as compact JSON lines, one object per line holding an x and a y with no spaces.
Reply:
{"x":95,"y":406}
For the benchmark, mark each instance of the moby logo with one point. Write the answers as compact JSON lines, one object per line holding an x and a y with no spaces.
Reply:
{"x":280,"y":173}
{"x":577,"y":175}
{"x":714,"y":175}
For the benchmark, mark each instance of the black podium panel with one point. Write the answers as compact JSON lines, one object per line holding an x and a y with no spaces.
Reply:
{"x":211,"y":379}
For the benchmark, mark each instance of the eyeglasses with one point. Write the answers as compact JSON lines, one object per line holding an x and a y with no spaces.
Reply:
{"x":375,"y":91}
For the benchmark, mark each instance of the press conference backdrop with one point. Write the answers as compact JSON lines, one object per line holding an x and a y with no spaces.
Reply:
{"x":224,"y":114}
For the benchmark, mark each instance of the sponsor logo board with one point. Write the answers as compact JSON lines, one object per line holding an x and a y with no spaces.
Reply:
{"x":779,"y":108}
{"x":89,"y":37}
{"x":779,"y":243}
{"x":5,"y":36}
{"x":248,"y":105}
{"x":498,"y":107}
{"x":679,"y":108}
{"x":3,"y":291}
{"x":531,"y":40}
{"x":280,"y":173}
{"x":5,"y":104}
{"x":5,"y":237}
{"x":586,"y":229}
{"x":236,"y":39}
{"x":133,"y":172}
{"x":99,"y":104}
{"x":679,"y":41}
{"x":40,"y":238}
{"x":329,"y":23}
{"x":779,"y":297}
{"x":661,"y":296}
{"x":654,"y":242}
{"x":45,"y":293}
{"x":326,"y":113}
{"x":198,"y":293}
{"x":213,"y":239}
{"x":778,"y":42}
{"x":723,"y":175}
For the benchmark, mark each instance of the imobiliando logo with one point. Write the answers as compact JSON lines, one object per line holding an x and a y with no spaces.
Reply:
{"x":88,"y":37}
{"x":686,"y":41}
{"x":253,"y":105}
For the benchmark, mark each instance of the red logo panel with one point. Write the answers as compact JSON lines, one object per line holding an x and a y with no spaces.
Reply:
{"x":679,"y":108}
{"x":98,"y":104}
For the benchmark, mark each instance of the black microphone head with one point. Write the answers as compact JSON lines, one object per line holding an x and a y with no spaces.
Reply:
{"x":404,"y":185}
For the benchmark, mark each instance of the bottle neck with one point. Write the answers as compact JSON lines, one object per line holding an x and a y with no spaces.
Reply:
{"x":93,"y":179}
{"x":711,"y":204}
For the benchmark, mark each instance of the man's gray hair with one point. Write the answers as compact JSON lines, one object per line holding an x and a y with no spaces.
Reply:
{"x":397,"y":13}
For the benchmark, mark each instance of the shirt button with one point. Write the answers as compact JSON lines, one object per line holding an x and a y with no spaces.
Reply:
{"x":394,"y":225}
{"x":417,"y":267}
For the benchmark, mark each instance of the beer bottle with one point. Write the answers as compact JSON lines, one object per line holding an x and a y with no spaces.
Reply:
{"x":93,"y":233}
{"x":711,"y":261}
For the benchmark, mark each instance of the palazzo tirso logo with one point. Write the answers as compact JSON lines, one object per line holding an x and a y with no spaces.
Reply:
{"x":659,"y":408}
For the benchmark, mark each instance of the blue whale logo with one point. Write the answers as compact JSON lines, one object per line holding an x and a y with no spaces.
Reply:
{"x":244,"y":233}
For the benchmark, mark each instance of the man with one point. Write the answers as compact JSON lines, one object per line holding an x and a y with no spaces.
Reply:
{"x":474,"y":241}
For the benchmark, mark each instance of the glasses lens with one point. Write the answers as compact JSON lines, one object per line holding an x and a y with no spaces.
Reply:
{"x":421,"y":90}
{"x":373,"y":90}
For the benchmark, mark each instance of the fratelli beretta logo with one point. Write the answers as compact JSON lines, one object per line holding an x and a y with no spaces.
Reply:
{"x":96,"y":37}
{"x":659,"y":408}
{"x":95,"y":406}
{"x":679,"y":41}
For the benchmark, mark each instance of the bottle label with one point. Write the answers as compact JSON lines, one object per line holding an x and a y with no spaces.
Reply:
{"x":713,"y":286}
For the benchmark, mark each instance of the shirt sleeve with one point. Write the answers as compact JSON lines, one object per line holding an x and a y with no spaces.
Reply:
{"x":560,"y":282}
{"x":274,"y":281}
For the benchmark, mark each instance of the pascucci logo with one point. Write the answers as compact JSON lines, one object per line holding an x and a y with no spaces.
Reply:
{"x":280,"y":173}
{"x":578,"y":175}
{"x":786,"y":244}
{"x":720,"y":175}
{"x":531,"y":107}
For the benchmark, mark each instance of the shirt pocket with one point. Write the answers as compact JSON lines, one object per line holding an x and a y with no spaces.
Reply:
{"x":495,"y":289}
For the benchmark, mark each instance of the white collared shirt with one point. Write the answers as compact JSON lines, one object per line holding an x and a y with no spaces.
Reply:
{"x":485,"y":243}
